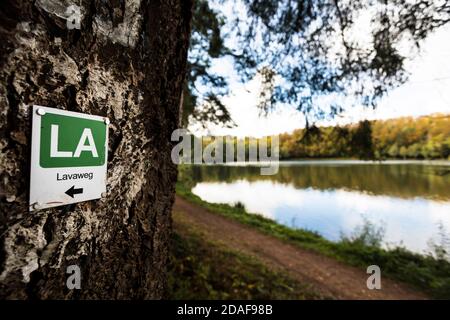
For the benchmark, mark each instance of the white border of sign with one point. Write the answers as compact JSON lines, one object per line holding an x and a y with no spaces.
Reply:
{"x":46,"y":190}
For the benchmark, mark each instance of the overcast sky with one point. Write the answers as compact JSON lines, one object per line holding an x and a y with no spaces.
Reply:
{"x":426,"y":92}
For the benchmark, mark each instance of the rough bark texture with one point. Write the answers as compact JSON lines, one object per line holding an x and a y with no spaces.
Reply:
{"x":127,"y":63}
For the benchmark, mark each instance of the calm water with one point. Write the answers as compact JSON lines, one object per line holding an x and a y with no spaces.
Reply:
{"x":409,"y":199}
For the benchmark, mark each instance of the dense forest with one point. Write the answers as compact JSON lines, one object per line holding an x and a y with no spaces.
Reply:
{"x":426,"y":137}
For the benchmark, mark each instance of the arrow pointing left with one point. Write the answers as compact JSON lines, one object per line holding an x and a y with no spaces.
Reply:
{"x":72,"y":191}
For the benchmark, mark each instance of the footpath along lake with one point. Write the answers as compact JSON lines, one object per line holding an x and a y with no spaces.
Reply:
{"x":409,"y":199}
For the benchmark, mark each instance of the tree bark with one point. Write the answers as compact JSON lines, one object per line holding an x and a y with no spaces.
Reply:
{"x":127,"y":62}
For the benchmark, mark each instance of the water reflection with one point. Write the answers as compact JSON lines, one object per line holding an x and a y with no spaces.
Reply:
{"x":409,"y":200}
{"x":407,"y":180}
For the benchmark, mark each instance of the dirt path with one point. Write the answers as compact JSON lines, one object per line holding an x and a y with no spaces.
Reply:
{"x":326,"y":275}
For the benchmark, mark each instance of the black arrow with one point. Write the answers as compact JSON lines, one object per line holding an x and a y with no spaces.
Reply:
{"x":73,"y":191}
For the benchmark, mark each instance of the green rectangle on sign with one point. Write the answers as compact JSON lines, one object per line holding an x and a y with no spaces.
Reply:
{"x":68,"y":141}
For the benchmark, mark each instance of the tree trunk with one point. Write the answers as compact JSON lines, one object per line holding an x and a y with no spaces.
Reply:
{"x":127,"y":62}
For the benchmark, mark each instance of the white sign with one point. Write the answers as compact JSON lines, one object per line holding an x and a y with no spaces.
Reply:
{"x":69,"y":153}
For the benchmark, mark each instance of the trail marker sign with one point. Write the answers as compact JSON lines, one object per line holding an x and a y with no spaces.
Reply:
{"x":68,"y":157}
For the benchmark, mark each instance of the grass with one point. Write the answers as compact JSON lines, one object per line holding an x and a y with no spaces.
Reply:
{"x":202,"y":269}
{"x":430,"y":274}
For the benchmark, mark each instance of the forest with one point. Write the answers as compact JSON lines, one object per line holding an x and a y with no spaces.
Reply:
{"x":426,"y":137}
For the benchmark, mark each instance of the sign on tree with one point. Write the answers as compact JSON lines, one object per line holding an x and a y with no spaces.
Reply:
{"x":68,"y":157}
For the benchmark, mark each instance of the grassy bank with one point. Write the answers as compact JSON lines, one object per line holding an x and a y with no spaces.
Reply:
{"x":426,"y":272}
{"x":202,"y":269}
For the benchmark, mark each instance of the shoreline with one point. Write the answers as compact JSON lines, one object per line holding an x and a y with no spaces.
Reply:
{"x":313,"y":161}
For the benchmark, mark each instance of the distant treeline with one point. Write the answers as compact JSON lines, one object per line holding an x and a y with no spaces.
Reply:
{"x":426,"y":137}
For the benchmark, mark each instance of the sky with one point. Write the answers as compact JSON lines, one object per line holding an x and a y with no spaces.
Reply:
{"x":426,"y":92}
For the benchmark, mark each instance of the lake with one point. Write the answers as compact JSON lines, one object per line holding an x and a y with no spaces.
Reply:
{"x":410,"y":200}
